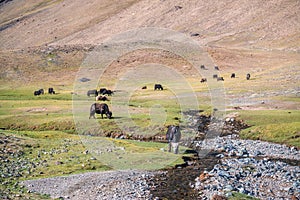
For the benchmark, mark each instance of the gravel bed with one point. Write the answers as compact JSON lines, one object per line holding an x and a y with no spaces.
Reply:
{"x":263,"y":179}
{"x":255,"y":168}
{"x":118,"y":185}
{"x":231,"y":145}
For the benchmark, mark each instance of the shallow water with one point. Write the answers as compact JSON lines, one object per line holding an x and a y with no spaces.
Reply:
{"x":175,"y":184}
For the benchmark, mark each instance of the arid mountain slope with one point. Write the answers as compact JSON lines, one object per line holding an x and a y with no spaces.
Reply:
{"x":42,"y":38}
{"x":266,"y":24}
{"x":35,"y":23}
{"x":270,"y":24}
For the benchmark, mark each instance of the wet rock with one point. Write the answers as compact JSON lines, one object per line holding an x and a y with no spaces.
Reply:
{"x":260,"y":178}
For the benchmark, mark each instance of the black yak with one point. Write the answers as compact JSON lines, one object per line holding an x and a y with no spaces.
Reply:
{"x":100,"y":108}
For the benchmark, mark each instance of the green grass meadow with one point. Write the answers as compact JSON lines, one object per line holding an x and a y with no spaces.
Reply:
{"x":279,"y":126}
{"x":20,"y":110}
{"x":46,"y":126}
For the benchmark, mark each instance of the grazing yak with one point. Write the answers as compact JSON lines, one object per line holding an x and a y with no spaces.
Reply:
{"x":38,"y":92}
{"x":158,"y":87}
{"x":100,"y":108}
{"x":202,"y":66}
{"x":108,"y":92}
{"x":216,"y":68}
{"x":92,"y":92}
{"x":105,"y":91}
{"x":144,"y":87}
{"x":215,"y":76}
{"x":232,"y":75}
{"x":248,"y":76}
{"x":173,"y":136}
{"x":203,"y":80}
{"x":51,"y":91}
{"x":220,"y":79}
{"x":102,"y":90}
{"x":101,"y":98}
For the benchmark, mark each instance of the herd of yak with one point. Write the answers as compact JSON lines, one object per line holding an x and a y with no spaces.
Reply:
{"x":41,"y":91}
{"x":101,"y":95}
{"x":102,"y":108}
{"x":173,"y":133}
{"x":215,"y":76}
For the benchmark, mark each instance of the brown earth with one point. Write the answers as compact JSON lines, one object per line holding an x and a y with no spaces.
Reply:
{"x":266,"y":25}
{"x":46,"y":41}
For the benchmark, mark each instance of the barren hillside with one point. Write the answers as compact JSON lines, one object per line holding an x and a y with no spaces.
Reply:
{"x":273,"y":24}
{"x":256,"y":36}
{"x":36,"y":23}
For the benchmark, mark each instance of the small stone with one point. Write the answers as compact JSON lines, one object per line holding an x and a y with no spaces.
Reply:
{"x":58,"y":163}
{"x":203,"y":176}
{"x":228,"y":188}
{"x":220,"y":156}
{"x":86,"y":152}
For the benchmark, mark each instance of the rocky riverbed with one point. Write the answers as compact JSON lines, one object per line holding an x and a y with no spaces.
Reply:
{"x":110,"y":185}
{"x":264,"y":179}
{"x":259,"y":169}
{"x":221,"y":165}
{"x":256,"y":168}
{"x":232,"y":145}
